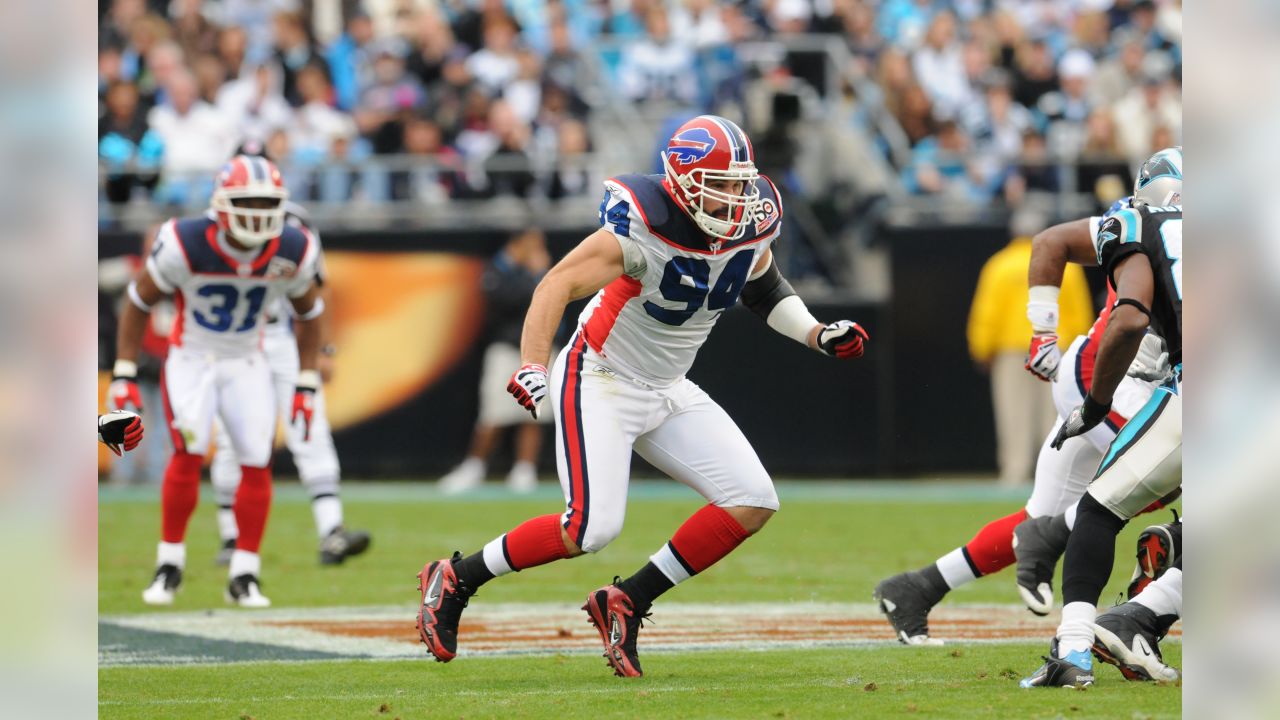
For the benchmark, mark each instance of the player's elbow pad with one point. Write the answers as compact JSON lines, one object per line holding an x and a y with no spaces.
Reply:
{"x":764,"y":293}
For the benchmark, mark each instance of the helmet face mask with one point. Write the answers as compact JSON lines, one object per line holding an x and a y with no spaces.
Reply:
{"x":707,"y":151}
{"x":1159,"y":180}
{"x":249,"y":200}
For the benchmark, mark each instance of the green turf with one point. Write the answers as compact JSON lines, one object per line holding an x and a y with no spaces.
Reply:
{"x":826,"y":545}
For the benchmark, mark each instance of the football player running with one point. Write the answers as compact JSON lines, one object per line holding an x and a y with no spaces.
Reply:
{"x":674,"y":251}
{"x":1061,"y":475}
{"x":311,"y":446}
{"x":224,"y":270}
{"x":1141,"y":250}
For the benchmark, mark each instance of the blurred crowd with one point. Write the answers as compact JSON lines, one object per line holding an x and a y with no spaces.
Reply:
{"x":496,"y":96}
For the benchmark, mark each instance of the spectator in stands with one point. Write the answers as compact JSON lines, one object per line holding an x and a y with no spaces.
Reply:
{"x":1101,"y":160}
{"x":470,"y":26}
{"x":858,"y":26}
{"x":657,"y":69}
{"x":124,"y":140}
{"x":524,"y":92}
{"x":197,"y":139}
{"x":350,"y":60}
{"x":1035,"y":74}
{"x":210,"y":76}
{"x":564,"y":66}
{"x":1151,"y":104}
{"x":915,"y":114}
{"x":164,"y":60}
{"x":508,"y":169}
{"x":431,"y":184}
{"x":232,"y":46}
{"x":698,"y":24}
{"x":393,"y":95}
{"x":433,"y":47}
{"x":1034,"y":173}
{"x":571,"y":176}
{"x":317,"y":122}
{"x":113,"y":27}
{"x":628,"y":21}
{"x":255,"y":16}
{"x":254,"y":104}
{"x":903,"y":22}
{"x":998,"y":337}
{"x":1120,"y":72}
{"x":1001,"y":122}
{"x":941,"y":166}
{"x":1071,"y":103}
{"x":192,"y":30}
{"x":496,"y":64}
{"x":294,"y":50}
{"x":508,"y":284}
{"x":939,"y":67}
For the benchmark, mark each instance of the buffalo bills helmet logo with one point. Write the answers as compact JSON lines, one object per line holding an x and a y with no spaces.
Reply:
{"x":691,"y":146}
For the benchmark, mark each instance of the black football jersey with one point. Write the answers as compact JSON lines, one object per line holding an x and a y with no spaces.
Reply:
{"x":1157,"y":233}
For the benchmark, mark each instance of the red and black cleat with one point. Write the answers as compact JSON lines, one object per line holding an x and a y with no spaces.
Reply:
{"x":615,"y":618}
{"x":443,"y":599}
{"x":1159,"y":546}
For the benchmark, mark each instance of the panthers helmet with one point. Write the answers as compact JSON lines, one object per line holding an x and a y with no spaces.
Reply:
{"x":1159,"y":181}
{"x":706,"y":149}
{"x":244,"y":179}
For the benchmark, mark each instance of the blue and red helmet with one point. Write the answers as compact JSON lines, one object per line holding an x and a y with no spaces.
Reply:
{"x":705,"y":150}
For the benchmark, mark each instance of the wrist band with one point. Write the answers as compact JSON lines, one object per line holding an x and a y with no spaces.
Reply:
{"x":316,"y":311}
{"x":136,"y":299}
{"x":308,"y":379}
{"x":127,"y":369}
{"x":1042,"y":308}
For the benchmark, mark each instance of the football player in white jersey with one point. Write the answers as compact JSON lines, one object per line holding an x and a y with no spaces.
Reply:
{"x":312,"y":448}
{"x":223,"y":270}
{"x":673,"y":252}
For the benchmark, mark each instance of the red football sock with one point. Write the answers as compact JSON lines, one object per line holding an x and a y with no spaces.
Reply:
{"x":253,"y":502}
{"x":708,"y":535}
{"x":178,"y":495}
{"x":535,"y":542}
{"x":991,"y":550}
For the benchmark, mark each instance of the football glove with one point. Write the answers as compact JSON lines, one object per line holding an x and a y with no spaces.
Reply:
{"x":304,"y":400}
{"x":528,"y":386}
{"x":123,"y":392}
{"x":120,"y":429}
{"x":1152,"y":361}
{"x":1081,"y":420}
{"x":843,"y":339}
{"x":1043,"y":356}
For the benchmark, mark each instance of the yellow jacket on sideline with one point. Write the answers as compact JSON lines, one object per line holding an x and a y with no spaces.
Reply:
{"x":998,"y":318}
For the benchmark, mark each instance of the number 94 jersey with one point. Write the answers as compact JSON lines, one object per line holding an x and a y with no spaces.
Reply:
{"x":650,"y":322}
{"x":221,"y":292}
{"x":1157,"y":233}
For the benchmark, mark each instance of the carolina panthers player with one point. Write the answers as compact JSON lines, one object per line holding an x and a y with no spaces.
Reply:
{"x":312,"y":447}
{"x":224,"y":270}
{"x":1141,"y":249}
{"x":674,"y":252}
{"x":1061,"y":476}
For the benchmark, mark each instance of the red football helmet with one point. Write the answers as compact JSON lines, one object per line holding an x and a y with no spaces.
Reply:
{"x":249,"y":200}
{"x":706,"y":149}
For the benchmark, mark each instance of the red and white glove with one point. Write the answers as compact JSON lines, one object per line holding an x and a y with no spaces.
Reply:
{"x":1044,"y":355}
{"x":120,"y":428}
{"x":528,"y":386}
{"x":123,"y":392}
{"x":842,"y":339}
{"x":304,"y":400}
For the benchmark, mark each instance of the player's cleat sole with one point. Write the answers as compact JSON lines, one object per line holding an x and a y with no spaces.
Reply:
{"x":613,"y":615}
{"x":443,"y":599}
{"x":223,"y":559}
{"x":1128,"y":636}
{"x":1038,"y":543}
{"x":1158,"y":548}
{"x":905,"y":599}
{"x":1074,"y":672}
{"x":341,"y":544}
{"x":164,"y":586}
{"x":245,"y":591}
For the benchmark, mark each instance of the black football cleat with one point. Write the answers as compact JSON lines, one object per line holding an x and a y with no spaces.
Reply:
{"x":341,"y":544}
{"x":443,"y":599}
{"x":1159,"y":547}
{"x":1128,"y":636}
{"x":1038,"y":543}
{"x":615,"y":617}
{"x":1075,"y":671}
{"x":164,"y":585}
{"x":246,"y":591}
{"x":906,"y":600}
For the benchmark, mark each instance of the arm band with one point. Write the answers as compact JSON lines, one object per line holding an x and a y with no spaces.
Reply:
{"x":764,"y":291}
{"x":790,"y":317}
{"x":1042,"y":308}
{"x":136,"y":299}
{"x":1134,"y":303}
{"x":316,"y":311}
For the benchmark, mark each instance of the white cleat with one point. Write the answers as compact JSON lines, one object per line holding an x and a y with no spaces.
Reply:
{"x":164,"y":586}
{"x":244,"y":591}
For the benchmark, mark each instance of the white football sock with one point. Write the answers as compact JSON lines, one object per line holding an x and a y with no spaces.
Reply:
{"x":955,"y":569}
{"x":327,"y":512}
{"x":1076,"y":630}
{"x":244,"y":562}
{"x":227,"y":528}
{"x":171,"y":554}
{"x":494,"y":557}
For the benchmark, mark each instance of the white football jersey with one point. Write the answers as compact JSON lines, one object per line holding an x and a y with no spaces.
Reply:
{"x":221,"y":293}
{"x":279,"y":316}
{"x":650,"y":322}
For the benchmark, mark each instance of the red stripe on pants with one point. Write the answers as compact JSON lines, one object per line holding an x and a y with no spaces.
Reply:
{"x":575,"y":452}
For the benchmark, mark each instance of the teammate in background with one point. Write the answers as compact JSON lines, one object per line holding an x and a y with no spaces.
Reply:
{"x":674,"y":252}
{"x":120,"y":431}
{"x":1141,"y":250}
{"x":508,"y":285}
{"x":223,"y":269}
{"x":314,"y":454}
{"x":1061,"y":476}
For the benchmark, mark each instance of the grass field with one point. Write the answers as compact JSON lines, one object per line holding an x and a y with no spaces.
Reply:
{"x":817,"y":560}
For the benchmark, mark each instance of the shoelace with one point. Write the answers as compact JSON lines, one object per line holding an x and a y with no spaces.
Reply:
{"x":454,"y":603}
